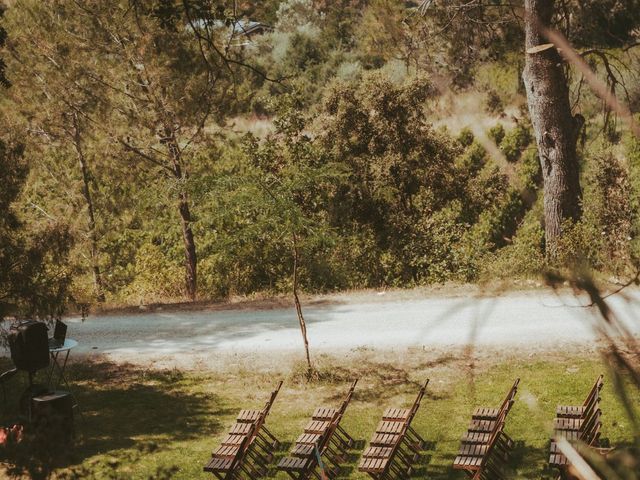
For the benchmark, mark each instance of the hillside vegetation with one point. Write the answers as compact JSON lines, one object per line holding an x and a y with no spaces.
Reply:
{"x":373,"y":142}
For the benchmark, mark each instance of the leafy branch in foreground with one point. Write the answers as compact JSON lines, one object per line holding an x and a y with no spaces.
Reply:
{"x":621,"y":353}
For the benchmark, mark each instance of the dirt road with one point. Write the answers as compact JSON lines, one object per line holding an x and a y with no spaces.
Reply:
{"x":522,"y":320}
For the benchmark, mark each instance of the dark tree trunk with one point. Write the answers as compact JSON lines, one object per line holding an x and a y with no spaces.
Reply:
{"x":190,"y":258}
{"x":296,"y":299}
{"x":556,"y":129}
{"x":91,"y":219}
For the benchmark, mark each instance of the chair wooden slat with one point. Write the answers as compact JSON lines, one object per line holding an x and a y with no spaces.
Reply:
{"x":383,"y":455}
{"x":577,"y":423}
{"x":319,"y":434}
{"x":484,"y":448}
{"x":233,"y":454}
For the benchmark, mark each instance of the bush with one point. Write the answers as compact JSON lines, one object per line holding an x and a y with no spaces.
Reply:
{"x":609,"y":213}
{"x":466,"y":137}
{"x":494,"y":104}
{"x":497,"y":133}
{"x":515,"y":141}
{"x":156,"y":277}
{"x":524,"y":256}
{"x":530,"y":171}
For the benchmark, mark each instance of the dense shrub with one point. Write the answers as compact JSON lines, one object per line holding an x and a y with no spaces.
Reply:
{"x":344,"y":159}
{"x":34,"y":272}
{"x":609,"y":215}
{"x":515,"y":141}
{"x":524,"y":256}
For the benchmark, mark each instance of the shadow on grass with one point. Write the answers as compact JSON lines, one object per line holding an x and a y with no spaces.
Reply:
{"x":134,"y":404}
{"x":528,"y":462}
{"x":126,"y":407}
{"x":384,"y":380}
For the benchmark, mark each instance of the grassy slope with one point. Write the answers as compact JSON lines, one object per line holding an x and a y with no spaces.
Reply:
{"x":136,"y":421}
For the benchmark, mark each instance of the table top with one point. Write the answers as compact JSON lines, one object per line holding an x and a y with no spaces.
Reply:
{"x":69,"y":343}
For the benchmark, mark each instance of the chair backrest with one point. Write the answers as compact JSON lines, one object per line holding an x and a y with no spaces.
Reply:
{"x":491,"y":465}
{"x":407,"y":423}
{"x":323,"y":441}
{"x":321,"y":445}
{"x":272,"y":398}
{"x":257,"y":425}
{"x":590,"y":431}
{"x":325,"y":437}
{"x":347,"y":399}
{"x":510,"y":398}
{"x":595,"y":391}
{"x":592,"y":402}
{"x":239,"y":456}
{"x":416,"y":404}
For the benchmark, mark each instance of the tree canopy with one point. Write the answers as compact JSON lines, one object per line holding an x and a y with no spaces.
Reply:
{"x":177,"y":146}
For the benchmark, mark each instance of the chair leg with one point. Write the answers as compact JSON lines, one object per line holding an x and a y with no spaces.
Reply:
{"x":416,"y":436}
{"x":275,"y":443}
{"x":349,"y":439}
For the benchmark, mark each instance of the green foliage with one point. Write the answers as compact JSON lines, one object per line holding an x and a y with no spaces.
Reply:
{"x":466,"y":137}
{"x":157,"y":96}
{"x":497,"y":133}
{"x":297,"y":15}
{"x":383,"y":35}
{"x":515,"y":141}
{"x":417,"y":190}
{"x":473,"y":158}
{"x":501,"y":80}
{"x":34,"y":279}
{"x":494,"y":103}
{"x":609,"y":215}
{"x":4,"y":81}
{"x":604,"y":23}
{"x":530,"y":173}
{"x":524,"y":256}
{"x":154,"y":276}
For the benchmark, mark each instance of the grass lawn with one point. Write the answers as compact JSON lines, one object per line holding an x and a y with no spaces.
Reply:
{"x":137,"y":422}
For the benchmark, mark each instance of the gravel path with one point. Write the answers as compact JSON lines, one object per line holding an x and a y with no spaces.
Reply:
{"x":521,"y":320}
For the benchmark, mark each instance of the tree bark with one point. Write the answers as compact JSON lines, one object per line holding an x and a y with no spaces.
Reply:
{"x":556,"y":129}
{"x":296,"y":299}
{"x":91,"y":219}
{"x":190,"y":257}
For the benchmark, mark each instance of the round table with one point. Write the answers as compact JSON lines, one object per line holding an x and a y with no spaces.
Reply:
{"x":68,"y":345}
{"x":55,"y":352}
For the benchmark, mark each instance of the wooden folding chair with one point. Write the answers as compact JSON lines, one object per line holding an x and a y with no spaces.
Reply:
{"x":579,"y":411}
{"x":248,"y":447}
{"x":577,"y":424}
{"x":303,"y":459}
{"x":228,"y":461}
{"x":492,"y":465}
{"x":395,"y":445}
{"x":325,"y":414}
{"x":319,"y":440}
{"x":488,"y":413}
{"x":485,"y":447}
{"x":483,"y":421}
{"x":258,"y":417}
{"x":483,"y":461}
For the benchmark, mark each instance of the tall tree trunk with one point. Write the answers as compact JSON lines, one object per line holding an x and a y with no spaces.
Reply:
{"x":91,"y":219}
{"x":556,"y":129}
{"x":296,"y":299}
{"x":190,"y":257}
